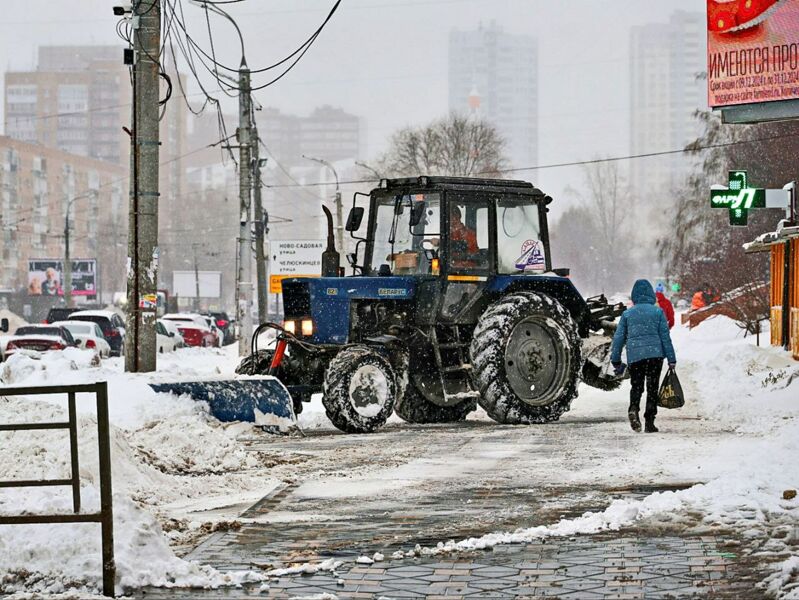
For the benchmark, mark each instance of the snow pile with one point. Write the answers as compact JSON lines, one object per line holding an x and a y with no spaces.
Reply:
{"x":170,"y":463}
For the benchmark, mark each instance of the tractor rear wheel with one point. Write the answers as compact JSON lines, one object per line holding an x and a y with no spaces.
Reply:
{"x":360,"y":390}
{"x":525,"y":356}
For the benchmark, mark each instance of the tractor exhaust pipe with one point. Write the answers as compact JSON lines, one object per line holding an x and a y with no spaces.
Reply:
{"x":330,"y":257}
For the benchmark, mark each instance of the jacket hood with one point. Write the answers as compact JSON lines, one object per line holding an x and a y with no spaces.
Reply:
{"x":643,"y":293}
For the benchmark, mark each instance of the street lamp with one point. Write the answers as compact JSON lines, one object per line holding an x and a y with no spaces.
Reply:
{"x":368,"y":168}
{"x":67,"y":258}
{"x":339,"y":210}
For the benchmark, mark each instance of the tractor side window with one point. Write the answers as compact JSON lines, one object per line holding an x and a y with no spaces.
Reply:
{"x":519,"y":244}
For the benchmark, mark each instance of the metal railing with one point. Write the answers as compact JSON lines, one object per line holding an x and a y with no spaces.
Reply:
{"x":105,"y":516}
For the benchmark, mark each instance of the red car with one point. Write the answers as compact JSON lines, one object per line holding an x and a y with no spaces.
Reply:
{"x":42,"y":338}
{"x":194,"y":329}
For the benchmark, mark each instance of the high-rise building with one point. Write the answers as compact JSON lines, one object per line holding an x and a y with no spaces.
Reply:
{"x":37,"y":186}
{"x":495,"y":75}
{"x":76,"y":100}
{"x":666,"y":89}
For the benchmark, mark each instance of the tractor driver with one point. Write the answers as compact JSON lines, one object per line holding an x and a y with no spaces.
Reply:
{"x":463,"y":253}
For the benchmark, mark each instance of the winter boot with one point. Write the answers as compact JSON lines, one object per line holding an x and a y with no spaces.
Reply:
{"x":650,"y":427}
{"x":635,"y":422}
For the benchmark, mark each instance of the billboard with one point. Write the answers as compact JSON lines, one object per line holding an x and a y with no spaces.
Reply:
{"x":752,"y":51}
{"x":294,"y":258}
{"x":184,"y":284}
{"x":46,"y":277}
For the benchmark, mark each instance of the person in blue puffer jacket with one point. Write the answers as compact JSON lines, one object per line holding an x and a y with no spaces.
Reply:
{"x":644,"y":330}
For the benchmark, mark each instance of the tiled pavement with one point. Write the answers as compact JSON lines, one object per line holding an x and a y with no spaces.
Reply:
{"x":604,"y":567}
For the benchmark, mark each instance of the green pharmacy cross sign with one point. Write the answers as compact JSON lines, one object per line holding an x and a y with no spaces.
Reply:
{"x":738,"y":198}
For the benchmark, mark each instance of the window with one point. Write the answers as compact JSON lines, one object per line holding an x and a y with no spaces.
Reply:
{"x":468,"y":235}
{"x":519,"y":244}
{"x":395,"y":243}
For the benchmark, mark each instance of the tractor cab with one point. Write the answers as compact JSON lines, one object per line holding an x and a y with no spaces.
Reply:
{"x":457,"y":228}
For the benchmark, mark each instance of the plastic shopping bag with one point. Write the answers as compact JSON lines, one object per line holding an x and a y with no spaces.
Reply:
{"x":670,"y":395}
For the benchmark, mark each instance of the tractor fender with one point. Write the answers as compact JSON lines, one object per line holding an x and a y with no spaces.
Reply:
{"x":554,"y":286}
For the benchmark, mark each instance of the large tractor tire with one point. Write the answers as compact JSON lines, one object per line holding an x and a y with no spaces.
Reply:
{"x":420,"y":395}
{"x":360,"y":390}
{"x":526,"y":359}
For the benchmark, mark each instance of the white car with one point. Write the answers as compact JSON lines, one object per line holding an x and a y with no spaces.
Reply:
{"x":88,"y":335}
{"x":173,"y":332}
{"x":164,"y":342}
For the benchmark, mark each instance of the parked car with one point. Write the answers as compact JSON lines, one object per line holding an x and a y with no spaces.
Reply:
{"x":164,"y":341}
{"x":225,"y":325}
{"x":110,"y":322}
{"x":220,"y":335}
{"x":172,"y":330}
{"x":42,"y":338}
{"x":88,"y":336}
{"x":194,"y":329}
{"x":59,"y":313}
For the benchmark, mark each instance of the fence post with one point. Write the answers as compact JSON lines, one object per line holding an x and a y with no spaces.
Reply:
{"x":73,"y":451}
{"x":106,"y":508}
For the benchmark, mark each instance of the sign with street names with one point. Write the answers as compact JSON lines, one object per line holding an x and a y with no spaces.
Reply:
{"x":293,"y":258}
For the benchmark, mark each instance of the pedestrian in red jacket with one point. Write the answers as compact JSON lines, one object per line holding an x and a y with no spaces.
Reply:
{"x":666,"y":306}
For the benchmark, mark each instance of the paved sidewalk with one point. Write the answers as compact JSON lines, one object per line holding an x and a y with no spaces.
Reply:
{"x":583,"y":567}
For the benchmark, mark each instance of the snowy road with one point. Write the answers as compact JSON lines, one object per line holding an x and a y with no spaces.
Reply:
{"x":409,"y":484}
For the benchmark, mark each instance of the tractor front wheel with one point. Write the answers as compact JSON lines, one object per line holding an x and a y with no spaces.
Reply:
{"x":360,"y":390}
{"x":525,"y":359}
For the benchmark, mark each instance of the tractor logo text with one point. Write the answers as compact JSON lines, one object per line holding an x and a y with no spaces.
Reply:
{"x":392,"y":292}
{"x":332,"y":291}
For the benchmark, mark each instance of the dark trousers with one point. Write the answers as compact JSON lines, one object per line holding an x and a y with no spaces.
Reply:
{"x":645,"y":371}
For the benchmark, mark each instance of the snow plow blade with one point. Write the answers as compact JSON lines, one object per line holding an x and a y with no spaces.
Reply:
{"x":262,"y":400}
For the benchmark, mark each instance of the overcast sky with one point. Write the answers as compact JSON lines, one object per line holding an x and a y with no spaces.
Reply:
{"x":386,"y":60}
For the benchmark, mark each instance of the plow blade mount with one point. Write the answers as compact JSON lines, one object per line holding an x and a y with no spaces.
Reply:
{"x":262,"y":400}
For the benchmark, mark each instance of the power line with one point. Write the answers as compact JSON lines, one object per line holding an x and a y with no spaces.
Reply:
{"x":690,"y":150}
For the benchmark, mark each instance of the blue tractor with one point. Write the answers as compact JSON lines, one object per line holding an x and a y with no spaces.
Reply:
{"x":453,"y":301}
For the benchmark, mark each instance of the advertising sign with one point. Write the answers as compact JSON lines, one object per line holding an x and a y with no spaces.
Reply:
{"x":46,"y":277}
{"x":184,"y":284}
{"x":752,"y":51}
{"x":295,"y":258}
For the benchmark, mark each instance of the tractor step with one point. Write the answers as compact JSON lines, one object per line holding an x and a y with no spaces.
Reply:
{"x":456,"y":368}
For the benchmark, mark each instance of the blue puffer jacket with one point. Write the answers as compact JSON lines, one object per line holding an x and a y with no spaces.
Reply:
{"x":643,"y":328}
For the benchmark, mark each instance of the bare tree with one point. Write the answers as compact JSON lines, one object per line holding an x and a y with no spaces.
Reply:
{"x":454,"y":145}
{"x":597,"y":230}
{"x":701,"y":248}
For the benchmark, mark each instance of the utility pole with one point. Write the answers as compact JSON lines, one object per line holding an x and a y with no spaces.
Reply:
{"x":67,"y":261}
{"x":244,"y":137}
{"x":140,"y":350}
{"x":196,"y":280}
{"x":260,"y":229}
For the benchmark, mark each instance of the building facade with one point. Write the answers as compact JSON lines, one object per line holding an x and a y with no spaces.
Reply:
{"x":666,"y":89}
{"x":37,"y":184}
{"x":495,"y":75}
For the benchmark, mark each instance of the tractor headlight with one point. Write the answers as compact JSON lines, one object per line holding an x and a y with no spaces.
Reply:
{"x":307,"y":327}
{"x":290,"y":326}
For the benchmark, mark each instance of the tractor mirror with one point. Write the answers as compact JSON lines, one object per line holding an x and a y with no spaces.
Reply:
{"x":354,"y":219}
{"x":417,"y":212}
{"x":4,"y":325}
{"x":352,"y":259}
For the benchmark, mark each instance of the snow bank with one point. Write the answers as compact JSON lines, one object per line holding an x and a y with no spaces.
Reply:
{"x":170,"y":462}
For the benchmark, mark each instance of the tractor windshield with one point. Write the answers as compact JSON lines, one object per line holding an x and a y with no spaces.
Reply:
{"x":398,"y":242}
{"x":520,"y":247}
